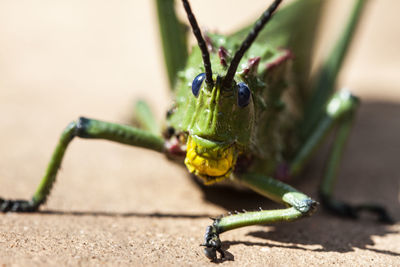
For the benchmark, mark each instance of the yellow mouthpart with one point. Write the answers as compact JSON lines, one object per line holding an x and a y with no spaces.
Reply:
{"x":211,"y":164}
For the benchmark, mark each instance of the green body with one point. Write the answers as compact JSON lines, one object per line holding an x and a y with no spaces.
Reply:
{"x":259,"y":142}
{"x":259,"y":129}
{"x":267,"y":130}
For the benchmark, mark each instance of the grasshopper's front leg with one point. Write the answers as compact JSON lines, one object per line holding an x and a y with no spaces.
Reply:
{"x":299,"y":205}
{"x":339,"y":113}
{"x":84,"y":128}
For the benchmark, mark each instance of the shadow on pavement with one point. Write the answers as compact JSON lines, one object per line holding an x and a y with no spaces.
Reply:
{"x":369,"y":173}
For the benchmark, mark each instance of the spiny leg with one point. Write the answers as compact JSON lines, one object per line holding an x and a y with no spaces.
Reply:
{"x":84,"y":128}
{"x":339,"y":112}
{"x":299,"y":204}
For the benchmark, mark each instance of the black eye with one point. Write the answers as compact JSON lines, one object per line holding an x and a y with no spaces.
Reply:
{"x":243,"y":95}
{"x":197,"y":82}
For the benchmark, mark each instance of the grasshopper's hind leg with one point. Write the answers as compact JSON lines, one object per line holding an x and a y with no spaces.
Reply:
{"x":339,"y":115}
{"x":84,"y":128}
{"x":145,"y":118}
{"x":298,"y":205}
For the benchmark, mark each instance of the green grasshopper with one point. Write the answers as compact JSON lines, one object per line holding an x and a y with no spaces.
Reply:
{"x":246,"y":111}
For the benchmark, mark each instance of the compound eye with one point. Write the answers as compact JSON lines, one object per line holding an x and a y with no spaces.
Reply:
{"x":243,"y":95}
{"x":196,"y":84}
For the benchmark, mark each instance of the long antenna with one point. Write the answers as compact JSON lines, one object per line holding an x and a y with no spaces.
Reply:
{"x":258,"y":26}
{"x":201,"y":42}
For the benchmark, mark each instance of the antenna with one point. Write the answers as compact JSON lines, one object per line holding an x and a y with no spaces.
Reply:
{"x":258,"y":26}
{"x":201,"y":43}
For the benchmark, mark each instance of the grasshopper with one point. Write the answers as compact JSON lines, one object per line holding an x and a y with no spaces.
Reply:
{"x":246,"y":111}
